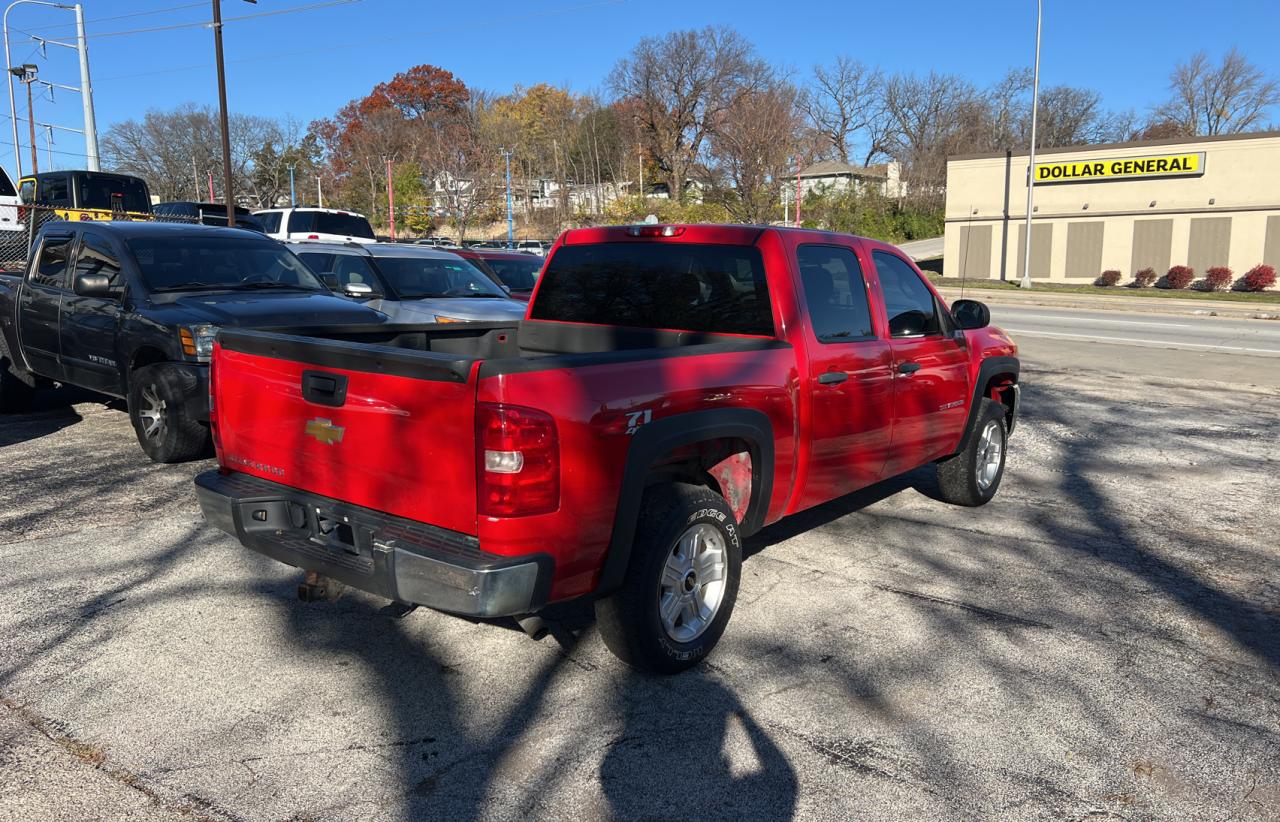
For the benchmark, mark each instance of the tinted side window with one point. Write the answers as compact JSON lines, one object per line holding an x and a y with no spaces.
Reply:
{"x":270,"y":221}
{"x":97,"y":257}
{"x":302,"y":221}
{"x":6,"y":185}
{"x":51,"y":266}
{"x":835,"y":292}
{"x":55,"y":190}
{"x":681,"y":286}
{"x":908,"y":301}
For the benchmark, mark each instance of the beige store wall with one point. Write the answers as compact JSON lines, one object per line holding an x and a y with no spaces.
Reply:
{"x":1239,"y":174}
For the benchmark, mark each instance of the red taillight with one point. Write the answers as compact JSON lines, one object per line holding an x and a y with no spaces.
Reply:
{"x":517,"y":461}
{"x":313,"y":236}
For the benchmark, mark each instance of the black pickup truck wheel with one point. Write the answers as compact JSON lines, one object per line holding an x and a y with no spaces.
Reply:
{"x":157,"y":409}
{"x":681,"y":583}
{"x":972,"y":476}
{"x":16,"y":392}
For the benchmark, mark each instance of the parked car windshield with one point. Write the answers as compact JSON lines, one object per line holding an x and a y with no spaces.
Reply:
{"x":679,"y":286}
{"x":324,"y":222}
{"x":518,"y":275}
{"x":99,"y":190}
{"x":190,"y":263}
{"x":417,"y":278}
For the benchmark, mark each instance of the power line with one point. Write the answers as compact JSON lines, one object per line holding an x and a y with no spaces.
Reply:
{"x":164,"y":10}
{"x":208,"y":23}
{"x":286,"y":55}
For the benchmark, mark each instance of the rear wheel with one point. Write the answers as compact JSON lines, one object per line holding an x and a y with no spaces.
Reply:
{"x":158,"y":411}
{"x":681,"y":584}
{"x":16,"y":391}
{"x":972,"y":476}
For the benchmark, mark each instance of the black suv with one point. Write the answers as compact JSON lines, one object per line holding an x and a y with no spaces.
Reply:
{"x":131,"y":309}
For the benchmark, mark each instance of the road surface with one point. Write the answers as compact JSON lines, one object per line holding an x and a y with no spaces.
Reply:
{"x":1258,"y":338}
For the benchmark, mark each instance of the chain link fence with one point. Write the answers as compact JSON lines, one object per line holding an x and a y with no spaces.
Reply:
{"x":20,"y":225}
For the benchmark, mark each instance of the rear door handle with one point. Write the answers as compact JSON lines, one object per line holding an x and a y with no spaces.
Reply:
{"x":833,"y":377}
{"x":908,"y":367}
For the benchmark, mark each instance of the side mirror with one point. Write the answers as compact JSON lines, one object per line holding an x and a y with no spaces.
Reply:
{"x":507,"y":289}
{"x":362,"y":291}
{"x":92,"y":285}
{"x":971,"y":314}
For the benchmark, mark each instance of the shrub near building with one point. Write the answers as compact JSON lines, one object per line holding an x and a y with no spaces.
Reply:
{"x":1179,"y":277}
{"x":1145,"y":278}
{"x":1257,"y":278}
{"x":1108,"y":278}
{"x":1218,"y":278}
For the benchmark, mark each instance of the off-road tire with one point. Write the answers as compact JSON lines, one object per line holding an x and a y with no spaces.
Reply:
{"x":959,"y":481}
{"x":629,"y":619}
{"x":179,"y":437}
{"x":16,"y":389}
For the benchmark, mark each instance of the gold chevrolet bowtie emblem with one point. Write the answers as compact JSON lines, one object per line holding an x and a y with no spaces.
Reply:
{"x":324,"y":431}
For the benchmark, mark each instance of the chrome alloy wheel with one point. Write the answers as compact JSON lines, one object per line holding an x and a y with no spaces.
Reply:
{"x":152,"y":413}
{"x":990,"y":451}
{"x":693,"y":581}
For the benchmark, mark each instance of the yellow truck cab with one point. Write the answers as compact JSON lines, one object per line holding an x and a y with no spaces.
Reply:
{"x":87,"y":195}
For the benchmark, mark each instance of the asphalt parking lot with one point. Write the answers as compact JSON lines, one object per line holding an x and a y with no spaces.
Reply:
{"x":1100,"y":642}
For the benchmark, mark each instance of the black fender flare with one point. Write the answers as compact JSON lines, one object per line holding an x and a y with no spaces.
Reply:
{"x":662,"y":436}
{"x":988,"y":369}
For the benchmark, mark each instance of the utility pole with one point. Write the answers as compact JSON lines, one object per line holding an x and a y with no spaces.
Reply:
{"x":391,"y":200}
{"x":195,"y":176}
{"x":86,"y":95}
{"x":319,"y":193}
{"x":227,"y":187}
{"x":1031,"y":155}
{"x":510,"y":222}
{"x":211,"y":197}
{"x":293,"y":192}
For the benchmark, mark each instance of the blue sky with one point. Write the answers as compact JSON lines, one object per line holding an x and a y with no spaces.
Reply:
{"x":307,"y":64}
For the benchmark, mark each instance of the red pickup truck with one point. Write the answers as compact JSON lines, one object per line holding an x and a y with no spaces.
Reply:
{"x":672,"y":390}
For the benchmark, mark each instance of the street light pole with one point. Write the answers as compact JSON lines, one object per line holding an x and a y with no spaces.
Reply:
{"x":293,"y":192}
{"x":510,"y":221}
{"x":1031,"y":154}
{"x":227,"y":189}
{"x":26,"y":74}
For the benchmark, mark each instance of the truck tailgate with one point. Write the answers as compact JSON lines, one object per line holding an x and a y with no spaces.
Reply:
{"x":378,"y":427}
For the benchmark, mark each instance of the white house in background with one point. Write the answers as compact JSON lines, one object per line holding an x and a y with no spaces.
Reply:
{"x":832,"y":175}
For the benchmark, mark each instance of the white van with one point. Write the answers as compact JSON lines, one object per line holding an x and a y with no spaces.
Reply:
{"x":326,"y":224}
{"x":9,"y":202}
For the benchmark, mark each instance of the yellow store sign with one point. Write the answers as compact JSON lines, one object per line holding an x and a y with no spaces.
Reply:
{"x":1123,"y":168}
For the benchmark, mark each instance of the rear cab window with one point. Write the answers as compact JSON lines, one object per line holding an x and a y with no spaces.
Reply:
{"x":270,"y":221}
{"x":835,"y":293}
{"x":710,"y":288}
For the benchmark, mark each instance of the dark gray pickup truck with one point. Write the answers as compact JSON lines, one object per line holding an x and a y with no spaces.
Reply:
{"x":130,"y":309}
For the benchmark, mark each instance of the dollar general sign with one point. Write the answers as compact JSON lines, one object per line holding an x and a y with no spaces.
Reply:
{"x":1122,"y":168}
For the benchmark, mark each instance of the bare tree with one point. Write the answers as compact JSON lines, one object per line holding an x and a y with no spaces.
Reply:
{"x":1229,"y":98}
{"x":175,"y":151}
{"x":752,"y":147}
{"x":683,"y":83}
{"x":845,"y":105}
{"x":930,"y":116}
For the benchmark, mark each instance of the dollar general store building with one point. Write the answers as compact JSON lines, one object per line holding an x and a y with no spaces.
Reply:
{"x":1126,"y":206}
